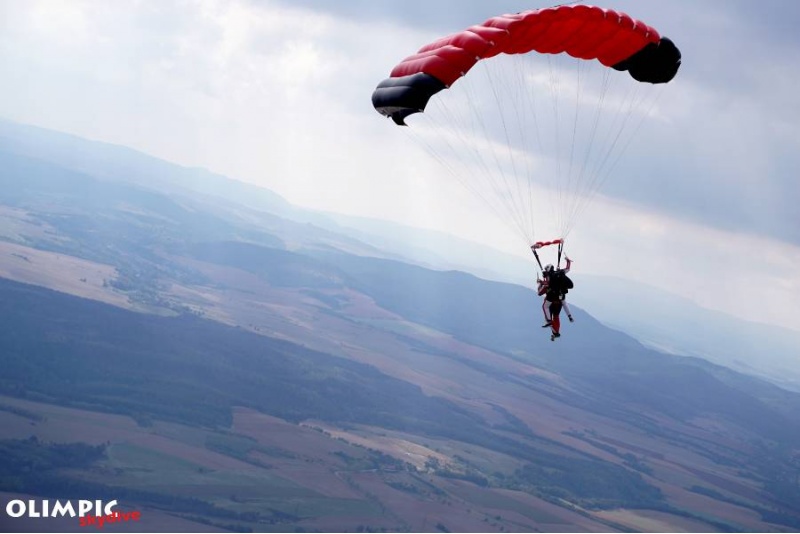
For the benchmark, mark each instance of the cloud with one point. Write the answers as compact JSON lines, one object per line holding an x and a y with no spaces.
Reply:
{"x":742,"y":274}
{"x":730,"y":143}
{"x":436,"y":17}
{"x":278,"y":93}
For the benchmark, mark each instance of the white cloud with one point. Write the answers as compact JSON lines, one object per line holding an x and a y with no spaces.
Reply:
{"x":280,"y":96}
{"x":752,"y":277}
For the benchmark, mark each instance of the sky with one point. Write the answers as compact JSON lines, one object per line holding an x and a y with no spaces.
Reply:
{"x":278,"y":93}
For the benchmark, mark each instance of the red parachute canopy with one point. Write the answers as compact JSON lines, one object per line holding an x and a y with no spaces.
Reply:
{"x":584,"y":32}
{"x":522,"y":154}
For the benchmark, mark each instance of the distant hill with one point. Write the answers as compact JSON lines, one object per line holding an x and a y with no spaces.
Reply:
{"x":40,"y":163}
{"x":677,"y":325}
{"x":498,"y":317}
{"x":117,"y":163}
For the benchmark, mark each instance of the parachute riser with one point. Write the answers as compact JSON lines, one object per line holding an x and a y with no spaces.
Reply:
{"x":540,"y":244}
{"x":536,"y":255}
{"x":560,"y":250}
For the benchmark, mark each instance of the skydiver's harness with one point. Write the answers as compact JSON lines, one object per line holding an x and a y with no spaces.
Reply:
{"x":557,"y":287}
{"x":558,"y":283}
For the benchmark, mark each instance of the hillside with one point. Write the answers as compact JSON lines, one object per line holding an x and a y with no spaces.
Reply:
{"x":464,"y":410}
{"x":243,"y":369}
{"x":679,"y":326}
{"x":199,"y":205}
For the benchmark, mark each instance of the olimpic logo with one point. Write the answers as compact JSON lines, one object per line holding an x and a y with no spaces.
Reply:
{"x":90,"y":513}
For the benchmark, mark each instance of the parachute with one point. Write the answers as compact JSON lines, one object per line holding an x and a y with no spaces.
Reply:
{"x":529,"y":111}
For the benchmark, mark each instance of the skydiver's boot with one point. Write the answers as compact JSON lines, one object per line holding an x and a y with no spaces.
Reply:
{"x":556,"y":327}
{"x":570,"y":318}
{"x":547,"y":324}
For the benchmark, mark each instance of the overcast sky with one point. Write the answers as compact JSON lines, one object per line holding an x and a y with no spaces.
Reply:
{"x":277,"y":93}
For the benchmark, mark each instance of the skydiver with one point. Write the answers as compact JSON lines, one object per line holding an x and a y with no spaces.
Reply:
{"x":554,"y":285}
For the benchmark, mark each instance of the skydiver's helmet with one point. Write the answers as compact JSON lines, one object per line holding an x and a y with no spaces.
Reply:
{"x":548,"y":269}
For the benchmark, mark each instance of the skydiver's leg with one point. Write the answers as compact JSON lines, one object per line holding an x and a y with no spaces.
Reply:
{"x":546,"y":311}
{"x":555,"y":310}
{"x":566,"y":307}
